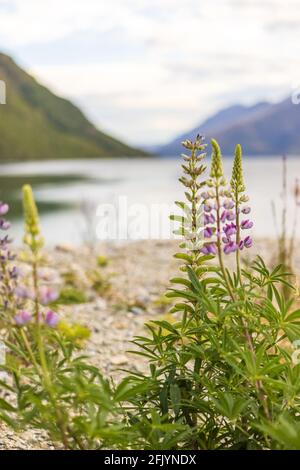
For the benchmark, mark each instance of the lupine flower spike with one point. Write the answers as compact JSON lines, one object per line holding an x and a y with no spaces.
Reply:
{"x":190,"y":223}
{"x":239,"y":198}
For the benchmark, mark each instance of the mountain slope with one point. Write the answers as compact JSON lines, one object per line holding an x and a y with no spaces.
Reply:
{"x":35,"y":124}
{"x":263,"y":129}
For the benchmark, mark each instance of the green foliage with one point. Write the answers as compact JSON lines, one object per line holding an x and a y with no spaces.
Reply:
{"x":222,"y":372}
{"x":36,"y":124}
{"x":70,"y":295}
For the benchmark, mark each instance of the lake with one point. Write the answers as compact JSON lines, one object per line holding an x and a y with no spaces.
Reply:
{"x":69,"y":192}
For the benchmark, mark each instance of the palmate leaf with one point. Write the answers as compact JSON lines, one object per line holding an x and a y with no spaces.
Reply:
{"x":229,"y":405}
{"x":285,"y":432}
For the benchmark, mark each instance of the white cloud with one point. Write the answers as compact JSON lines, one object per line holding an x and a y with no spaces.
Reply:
{"x":165,"y":64}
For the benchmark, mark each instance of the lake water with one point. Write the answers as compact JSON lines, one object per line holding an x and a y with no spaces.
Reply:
{"x":69,"y":192}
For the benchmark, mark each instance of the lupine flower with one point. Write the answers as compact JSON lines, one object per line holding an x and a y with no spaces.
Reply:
{"x":4,"y":208}
{"x":229,"y":229}
{"x":208,"y":207}
{"x":47,"y":294}
{"x":246,"y":210}
{"x":248,"y":242}
{"x":51,"y":318}
{"x":246,"y":224}
{"x":230,"y":247}
{"x":209,"y":249}
{"x":228,"y":204}
{"x":208,"y":232}
{"x":22,"y":317}
{"x":209,"y":219}
{"x":23,"y":292}
{"x":4,"y":224}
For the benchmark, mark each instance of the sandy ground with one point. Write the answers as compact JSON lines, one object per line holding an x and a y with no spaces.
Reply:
{"x":129,"y":292}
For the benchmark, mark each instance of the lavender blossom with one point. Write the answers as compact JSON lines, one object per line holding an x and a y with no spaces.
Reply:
{"x":47,"y":294}
{"x":246,"y":224}
{"x":51,"y":318}
{"x":22,"y":318}
{"x":209,"y":249}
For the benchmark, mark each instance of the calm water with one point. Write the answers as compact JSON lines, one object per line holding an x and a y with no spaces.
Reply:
{"x":68,"y":193}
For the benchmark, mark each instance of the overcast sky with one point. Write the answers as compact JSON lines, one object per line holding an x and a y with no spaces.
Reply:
{"x":146,"y":70}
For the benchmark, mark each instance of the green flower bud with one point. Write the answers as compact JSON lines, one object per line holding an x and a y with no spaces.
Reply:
{"x":31,"y":217}
{"x":216,"y":161}
{"x":237,"y":180}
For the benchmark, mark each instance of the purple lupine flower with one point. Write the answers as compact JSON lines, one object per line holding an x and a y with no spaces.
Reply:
{"x":51,"y":318}
{"x":23,"y":293}
{"x":241,"y":244}
{"x":4,"y":224}
{"x":230,"y":247}
{"x":228,"y":204}
{"x":246,"y":210}
{"x":246,"y":224}
{"x":4,"y":208}
{"x":229,"y":229}
{"x":207,"y":207}
{"x":209,"y":249}
{"x":230,"y":215}
{"x":223,"y":217}
{"x":208,"y":232}
{"x":13,"y":273}
{"x":248,"y":242}
{"x":22,"y":317}
{"x":47,"y":294}
{"x":209,"y":219}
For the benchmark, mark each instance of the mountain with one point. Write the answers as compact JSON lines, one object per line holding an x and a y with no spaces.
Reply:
{"x":35,"y":124}
{"x":262,"y":129}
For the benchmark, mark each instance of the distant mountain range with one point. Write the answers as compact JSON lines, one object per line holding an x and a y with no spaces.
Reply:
{"x":35,"y":124}
{"x":262,"y":129}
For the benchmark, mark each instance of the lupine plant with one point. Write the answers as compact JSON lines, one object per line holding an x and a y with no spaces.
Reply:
{"x":222,"y":375}
{"x":224,"y":368}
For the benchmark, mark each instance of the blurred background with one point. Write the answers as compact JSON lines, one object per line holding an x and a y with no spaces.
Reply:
{"x":99,"y":95}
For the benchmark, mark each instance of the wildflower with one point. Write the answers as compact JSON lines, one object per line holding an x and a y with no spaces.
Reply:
{"x":246,"y":224}
{"x":229,"y":229}
{"x":246,"y":210}
{"x":23,"y":292}
{"x":47,"y":294}
{"x":228,"y":204}
{"x":51,"y":318}
{"x":4,"y":224}
{"x":208,"y":232}
{"x":209,"y":219}
{"x":248,"y":242}
{"x":230,"y":247}
{"x":22,"y":317}
{"x":209,"y":249}
{"x":4,"y":208}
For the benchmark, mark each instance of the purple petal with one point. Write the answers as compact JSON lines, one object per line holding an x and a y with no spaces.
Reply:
{"x":4,"y":208}
{"x":246,"y":210}
{"x":51,"y":318}
{"x":230,"y":248}
{"x":246,"y":224}
{"x":22,"y":317}
{"x":248,"y":242}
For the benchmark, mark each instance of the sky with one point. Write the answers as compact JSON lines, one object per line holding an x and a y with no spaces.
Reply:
{"x":147,"y":70}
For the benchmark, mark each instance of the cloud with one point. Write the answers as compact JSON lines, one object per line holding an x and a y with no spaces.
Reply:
{"x":147,"y":69}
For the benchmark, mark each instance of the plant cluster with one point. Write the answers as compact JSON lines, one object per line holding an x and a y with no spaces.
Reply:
{"x":222,"y":374}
